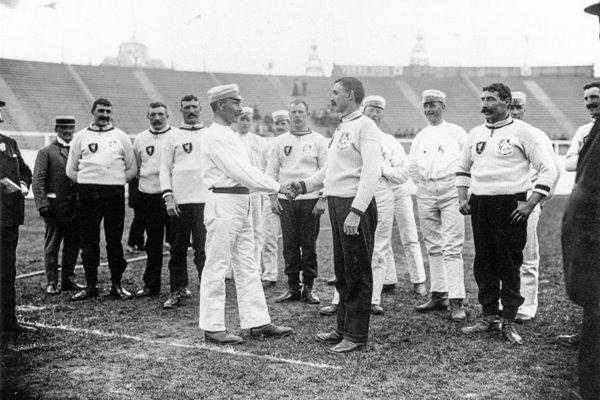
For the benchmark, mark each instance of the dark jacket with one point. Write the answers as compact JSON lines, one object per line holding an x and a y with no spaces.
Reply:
{"x":581,"y":227}
{"x":12,"y":166}
{"x":49,"y":176}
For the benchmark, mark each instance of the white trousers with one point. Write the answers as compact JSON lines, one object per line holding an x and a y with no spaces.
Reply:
{"x":230,"y":241}
{"x":407,"y":228}
{"x":256,"y":205}
{"x":271,"y":230}
{"x":530,"y":271}
{"x":443,"y":228}
{"x":382,"y":244}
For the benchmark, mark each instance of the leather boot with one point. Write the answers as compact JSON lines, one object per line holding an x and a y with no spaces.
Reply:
{"x":87,"y":293}
{"x":457,"y":312}
{"x":438,"y":301}
{"x":308,"y":295}
{"x":293,"y":294}
{"x":510,"y":333}
{"x":489,"y":323}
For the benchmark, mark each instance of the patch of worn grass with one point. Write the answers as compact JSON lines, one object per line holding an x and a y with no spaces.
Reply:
{"x":410,"y":355}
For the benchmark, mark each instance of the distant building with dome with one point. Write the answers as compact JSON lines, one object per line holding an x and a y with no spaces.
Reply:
{"x":314,"y":66}
{"x":134,"y":54}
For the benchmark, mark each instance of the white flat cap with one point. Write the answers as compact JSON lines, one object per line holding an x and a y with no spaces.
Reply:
{"x":222,"y":92}
{"x":518,"y":98}
{"x":280,"y":115}
{"x":374,"y":101}
{"x":247,"y":110}
{"x":430,"y":95}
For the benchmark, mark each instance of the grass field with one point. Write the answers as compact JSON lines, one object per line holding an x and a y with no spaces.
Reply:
{"x":106,"y":349}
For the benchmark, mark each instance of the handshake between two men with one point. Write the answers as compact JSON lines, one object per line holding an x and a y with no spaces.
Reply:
{"x":291,"y":191}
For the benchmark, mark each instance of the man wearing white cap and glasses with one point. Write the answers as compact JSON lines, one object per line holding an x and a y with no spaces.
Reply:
{"x":433,"y":159}
{"x":254,"y":145}
{"x":271,"y":222}
{"x":229,"y":175}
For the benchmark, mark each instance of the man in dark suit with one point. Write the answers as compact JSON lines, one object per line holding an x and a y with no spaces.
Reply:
{"x":15,"y":179}
{"x":581,"y":248}
{"x":56,"y":200}
{"x":581,"y":244}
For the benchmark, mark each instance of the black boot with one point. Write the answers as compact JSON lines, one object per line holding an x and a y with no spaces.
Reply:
{"x":509,"y":332}
{"x":308,"y":295}
{"x":294,"y":293}
{"x":89,"y":292}
{"x":438,"y":301}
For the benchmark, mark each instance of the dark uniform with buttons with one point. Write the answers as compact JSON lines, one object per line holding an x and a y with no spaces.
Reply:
{"x":13,"y":173}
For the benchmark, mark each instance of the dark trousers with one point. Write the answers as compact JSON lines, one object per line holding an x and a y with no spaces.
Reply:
{"x":498,"y":252}
{"x":97,"y":203}
{"x":352,"y":265}
{"x":190,"y":221}
{"x":8,"y":248}
{"x":589,"y":354}
{"x":68,"y":234}
{"x":152,"y":215}
{"x":136,"y":230}
{"x":300,"y":229}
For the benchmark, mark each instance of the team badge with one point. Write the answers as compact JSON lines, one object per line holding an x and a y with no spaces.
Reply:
{"x":479,"y":147}
{"x":187,"y":147}
{"x":93,"y":147}
{"x":287,"y":150}
{"x":505,"y":147}
{"x":308,"y":151}
{"x":344,"y":141}
{"x":150,"y":150}
{"x":2,"y":146}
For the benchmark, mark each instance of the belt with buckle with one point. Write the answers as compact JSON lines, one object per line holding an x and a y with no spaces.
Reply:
{"x":231,"y":190}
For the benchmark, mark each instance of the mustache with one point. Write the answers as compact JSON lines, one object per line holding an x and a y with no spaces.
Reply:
{"x":590,"y":106}
{"x":486,"y":110}
{"x":102,"y":118}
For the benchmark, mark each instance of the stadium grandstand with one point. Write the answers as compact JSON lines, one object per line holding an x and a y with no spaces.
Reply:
{"x":37,"y":91}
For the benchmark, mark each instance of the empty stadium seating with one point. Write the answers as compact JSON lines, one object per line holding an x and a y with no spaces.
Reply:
{"x":46,"y":89}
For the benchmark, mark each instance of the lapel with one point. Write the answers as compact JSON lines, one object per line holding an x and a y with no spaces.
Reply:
{"x":584,"y":153}
{"x":62,"y":150}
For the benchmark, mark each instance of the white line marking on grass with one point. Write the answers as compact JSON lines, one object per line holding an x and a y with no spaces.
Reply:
{"x":215,"y":349}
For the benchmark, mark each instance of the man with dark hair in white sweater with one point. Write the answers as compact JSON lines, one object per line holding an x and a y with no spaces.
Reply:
{"x":101,"y":162}
{"x":495,"y":165}
{"x":349,"y":181}
{"x":185,"y":195}
{"x":294,"y":155}
{"x":147,"y":148}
